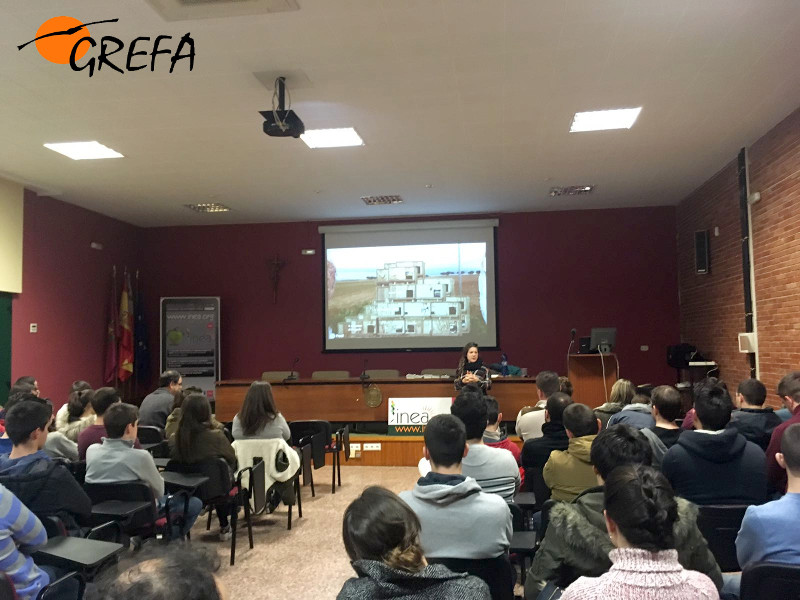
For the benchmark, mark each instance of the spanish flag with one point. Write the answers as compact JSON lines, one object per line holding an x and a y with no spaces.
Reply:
{"x":126,"y":330}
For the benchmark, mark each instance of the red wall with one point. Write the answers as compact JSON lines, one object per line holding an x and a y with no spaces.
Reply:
{"x":65,"y":290}
{"x":556,"y":270}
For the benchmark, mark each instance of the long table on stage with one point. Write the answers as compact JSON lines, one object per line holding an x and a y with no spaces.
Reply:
{"x":342,"y":400}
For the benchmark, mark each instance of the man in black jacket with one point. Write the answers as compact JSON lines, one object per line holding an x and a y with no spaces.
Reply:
{"x":46,"y":487}
{"x":753,"y":420}
{"x":536,"y":452}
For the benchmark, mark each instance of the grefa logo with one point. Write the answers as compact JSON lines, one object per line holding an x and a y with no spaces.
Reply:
{"x":66,"y":40}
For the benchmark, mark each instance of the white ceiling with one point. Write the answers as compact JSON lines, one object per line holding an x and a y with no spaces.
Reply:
{"x":471,"y":97}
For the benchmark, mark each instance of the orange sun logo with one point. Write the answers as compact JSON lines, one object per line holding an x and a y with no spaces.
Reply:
{"x":57,"y":48}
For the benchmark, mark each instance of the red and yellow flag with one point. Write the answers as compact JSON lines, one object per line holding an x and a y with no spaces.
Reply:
{"x":126,"y":330}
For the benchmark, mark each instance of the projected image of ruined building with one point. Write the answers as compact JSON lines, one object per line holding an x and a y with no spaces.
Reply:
{"x":409,"y":303}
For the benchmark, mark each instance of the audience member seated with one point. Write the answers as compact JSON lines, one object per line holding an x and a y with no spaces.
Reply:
{"x":458,"y":519}
{"x":45,"y":486}
{"x":529,"y":422}
{"x":753,"y":420}
{"x":536,"y":452}
{"x":197,"y":440}
{"x":31,"y":381}
{"x":6,"y":445}
{"x":382,"y":538}
{"x":771,"y":532}
{"x":640,"y":515}
{"x":21,"y":533}
{"x":622,"y":392}
{"x":789,"y":393}
{"x":569,"y":472}
{"x":664,"y":434}
{"x":636,"y":414}
{"x":688,"y":419}
{"x":161,"y":573}
{"x":103,"y":399}
{"x":577,"y":544}
{"x":259,"y":417}
{"x":80,"y":414}
{"x":115,"y":460}
{"x":495,"y":469}
{"x":157,"y":406}
{"x":565,"y":385}
{"x":493,"y":435}
{"x":175,"y":416}
{"x":62,"y":415}
{"x":712,"y":464}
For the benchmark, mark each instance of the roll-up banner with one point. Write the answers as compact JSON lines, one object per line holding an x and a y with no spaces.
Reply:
{"x":189,"y":337}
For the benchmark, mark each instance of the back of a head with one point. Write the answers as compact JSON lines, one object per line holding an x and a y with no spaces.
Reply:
{"x":565,"y":385}
{"x":470,"y":407}
{"x":790,"y":448}
{"x":117,"y":418}
{"x":168,"y":377}
{"x":78,"y":401}
{"x":26,"y":379}
{"x":160,"y":573}
{"x":754,"y":392}
{"x":789,"y":386}
{"x":195,"y":417}
{"x":640,"y":399}
{"x":79,"y":385}
{"x":18,"y":397}
{"x":492,"y":409}
{"x":556,"y":404}
{"x":26,"y":417}
{"x":548,"y":383}
{"x":713,"y":406}
{"x":379,"y":526}
{"x":445,"y":437}
{"x":580,"y":420}
{"x":622,"y":392}
{"x":668,"y":402}
{"x":103,"y":399}
{"x":641,"y":502}
{"x":258,"y":408}
{"x":21,"y":388}
{"x":617,"y":446}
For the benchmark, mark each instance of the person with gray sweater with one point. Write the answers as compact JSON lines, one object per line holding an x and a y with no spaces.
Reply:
{"x":259,"y":418}
{"x":458,"y":519}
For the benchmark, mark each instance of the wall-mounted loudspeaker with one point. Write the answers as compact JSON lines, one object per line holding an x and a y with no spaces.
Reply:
{"x":702,"y":263}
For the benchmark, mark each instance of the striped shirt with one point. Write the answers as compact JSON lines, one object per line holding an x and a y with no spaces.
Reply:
{"x":20,"y":527}
{"x":495,"y":470}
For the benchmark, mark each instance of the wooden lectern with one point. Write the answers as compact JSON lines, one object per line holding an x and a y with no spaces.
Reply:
{"x":586,"y":372}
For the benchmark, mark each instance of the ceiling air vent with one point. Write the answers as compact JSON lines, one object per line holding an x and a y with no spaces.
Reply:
{"x":381,"y":200}
{"x":208,"y":207}
{"x":187,"y":10}
{"x":571,"y":190}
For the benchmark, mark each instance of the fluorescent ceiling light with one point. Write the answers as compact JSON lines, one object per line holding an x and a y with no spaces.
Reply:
{"x":84,"y":150}
{"x":598,"y":120}
{"x":331,"y":138}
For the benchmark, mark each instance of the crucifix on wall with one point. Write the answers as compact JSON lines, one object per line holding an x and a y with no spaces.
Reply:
{"x":276,"y":264}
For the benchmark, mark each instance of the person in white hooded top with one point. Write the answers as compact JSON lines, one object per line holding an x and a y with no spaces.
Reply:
{"x":458,"y":519}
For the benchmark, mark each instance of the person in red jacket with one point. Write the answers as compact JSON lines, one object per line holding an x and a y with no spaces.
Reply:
{"x":789,"y":392}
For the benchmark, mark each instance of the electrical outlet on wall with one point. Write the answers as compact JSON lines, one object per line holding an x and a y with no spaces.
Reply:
{"x":369,"y":447}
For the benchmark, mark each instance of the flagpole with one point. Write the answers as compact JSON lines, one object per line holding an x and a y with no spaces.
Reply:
{"x":116,"y":324}
{"x":135,"y":312}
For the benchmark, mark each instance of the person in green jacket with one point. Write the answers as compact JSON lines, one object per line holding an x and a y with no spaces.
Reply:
{"x":576,"y":543}
{"x":569,"y":472}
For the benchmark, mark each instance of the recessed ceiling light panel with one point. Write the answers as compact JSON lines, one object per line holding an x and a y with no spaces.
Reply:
{"x":208,"y":207}
{"x":600,"y":120}
{"x":84,"y":150}
{"x":331,"y":138}
{"x":381,"y":200}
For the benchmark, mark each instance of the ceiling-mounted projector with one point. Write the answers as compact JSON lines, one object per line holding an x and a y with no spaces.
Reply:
{"x":280,"y":121}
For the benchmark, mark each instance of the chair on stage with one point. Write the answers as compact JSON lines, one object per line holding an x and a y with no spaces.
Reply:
{"x":382,"y":373}
{"x":279,"y":376}
{"x":440,"y":372}
{"x":330,"y":375}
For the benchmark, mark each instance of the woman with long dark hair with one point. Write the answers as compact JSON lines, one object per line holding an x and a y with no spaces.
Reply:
{"x":197,"y":440}
{"x":80,"y":413}
{"x":470,"y":370}
{"x":62,"y":415}
{"x":259,"y":417}
{"x":381,"y":537}
{"x":640,"y":513}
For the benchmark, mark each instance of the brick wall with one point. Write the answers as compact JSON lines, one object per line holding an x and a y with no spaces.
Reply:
{"x":712,"y":306}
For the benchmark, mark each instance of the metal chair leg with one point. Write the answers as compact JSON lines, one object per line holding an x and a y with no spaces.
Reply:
{"x":333,"y":472}
{"x":233,"y":522}
{"x":299,"y":499}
